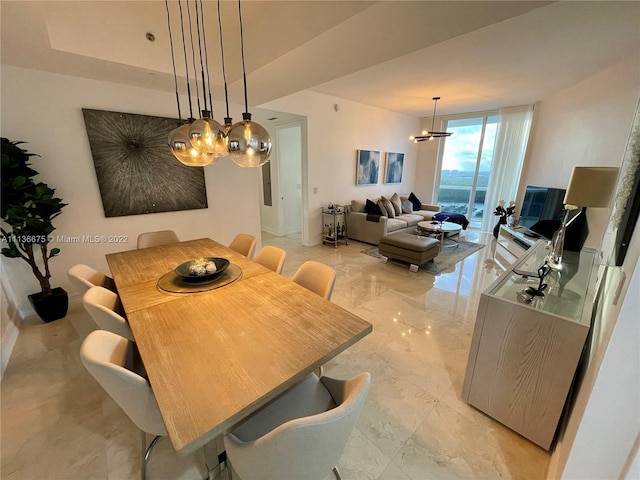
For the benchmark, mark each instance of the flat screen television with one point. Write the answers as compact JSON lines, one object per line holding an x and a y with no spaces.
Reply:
{"x":541,"y":203}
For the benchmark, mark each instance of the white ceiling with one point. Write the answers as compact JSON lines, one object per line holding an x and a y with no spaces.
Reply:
{"x":396,"y":55}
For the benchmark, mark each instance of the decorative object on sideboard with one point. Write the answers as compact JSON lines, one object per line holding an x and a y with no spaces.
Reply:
{"x":136,"y":174}
{"x":368,"y":167}
{"x":431,"y":134}
{"x":200,"y":142}
{"x":503,"y":214}
{"x":28,"y":209}
{"x":394,"y":167}
{"x":588,"y":187}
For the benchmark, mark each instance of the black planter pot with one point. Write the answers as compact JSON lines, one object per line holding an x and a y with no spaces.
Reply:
{"x":50,"y":307}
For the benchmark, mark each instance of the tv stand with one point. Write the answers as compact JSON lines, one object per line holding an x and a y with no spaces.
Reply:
{"x":512,"y":244}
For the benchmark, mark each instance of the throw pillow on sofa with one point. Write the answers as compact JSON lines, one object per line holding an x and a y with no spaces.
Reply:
{"x":407,"y":206}
{"x":383,"y":209}
{"x":388,"y":207}
{"x":415,"y":201}
{"x":371,"y":208}
{"x":397,"y":204}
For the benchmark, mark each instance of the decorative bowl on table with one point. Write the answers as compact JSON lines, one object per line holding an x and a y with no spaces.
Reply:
{"x":201,"y":270}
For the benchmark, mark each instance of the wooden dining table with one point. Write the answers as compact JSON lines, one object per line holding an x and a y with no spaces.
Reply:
{"x":214,"y":357}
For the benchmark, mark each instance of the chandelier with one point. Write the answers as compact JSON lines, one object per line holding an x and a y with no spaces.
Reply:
{"x":431,"y":134}
{"x":197,"y":143}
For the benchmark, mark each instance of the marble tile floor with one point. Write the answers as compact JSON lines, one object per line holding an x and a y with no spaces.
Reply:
{"x":57,"y":423}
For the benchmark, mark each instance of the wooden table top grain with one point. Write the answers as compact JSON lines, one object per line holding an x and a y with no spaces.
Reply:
{"x":213,"y":358}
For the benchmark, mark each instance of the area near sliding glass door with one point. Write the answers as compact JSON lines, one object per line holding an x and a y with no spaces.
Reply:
{"x":465,"y":165}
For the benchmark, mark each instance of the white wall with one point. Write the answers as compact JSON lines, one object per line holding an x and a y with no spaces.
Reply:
{"x":333,"y":137}
{"x":44,"y":110}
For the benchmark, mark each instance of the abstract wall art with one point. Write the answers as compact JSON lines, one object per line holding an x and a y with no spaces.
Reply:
{"x":368,"y":167}
{"x":395,"y":164}
{"x":137,"y":174}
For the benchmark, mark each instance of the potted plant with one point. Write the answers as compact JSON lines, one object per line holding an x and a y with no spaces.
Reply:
{"x":28,"y":209}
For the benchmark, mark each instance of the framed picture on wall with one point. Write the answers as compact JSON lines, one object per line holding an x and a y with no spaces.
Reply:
{"x":368,"y":167}
{"x":395,"y":163}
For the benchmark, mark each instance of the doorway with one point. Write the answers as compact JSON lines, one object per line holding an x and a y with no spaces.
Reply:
{"x":281,"y":209}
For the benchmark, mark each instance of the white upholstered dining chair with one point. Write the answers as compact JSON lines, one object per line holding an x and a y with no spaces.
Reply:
{"x":108,"y":358}
{"x":244,"y":244}
{"x":271,"y":257}
{"x":153,"y":239}
{"x":317,"y":277}
{"x":83,"y":277}
{"x":104,"y":307}
{"x":300,"y":434}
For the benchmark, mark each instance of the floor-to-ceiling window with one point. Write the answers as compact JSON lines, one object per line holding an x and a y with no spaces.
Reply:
{"x":465,"y":165}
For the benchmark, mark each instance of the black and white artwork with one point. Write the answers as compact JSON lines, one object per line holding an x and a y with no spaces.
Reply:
{"x":395,"y":163}
{"x":368,"y":167}
{"x":137,"y":173}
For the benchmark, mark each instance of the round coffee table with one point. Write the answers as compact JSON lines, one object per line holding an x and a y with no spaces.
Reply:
{"x":441,"y":231}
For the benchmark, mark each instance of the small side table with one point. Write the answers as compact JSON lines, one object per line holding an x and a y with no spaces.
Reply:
{"x":334,"y":226}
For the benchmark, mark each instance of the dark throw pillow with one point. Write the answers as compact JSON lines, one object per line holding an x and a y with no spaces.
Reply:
{"x":415,"y":201}
{"x":371,"y":208}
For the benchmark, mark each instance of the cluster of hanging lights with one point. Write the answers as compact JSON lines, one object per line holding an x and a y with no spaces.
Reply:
{"x":197,"y":143}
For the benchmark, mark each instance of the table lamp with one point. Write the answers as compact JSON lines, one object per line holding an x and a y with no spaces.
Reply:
{"x":588,"y":187}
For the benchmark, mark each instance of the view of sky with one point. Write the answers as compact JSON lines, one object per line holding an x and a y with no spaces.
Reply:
{"x":461,"y":149}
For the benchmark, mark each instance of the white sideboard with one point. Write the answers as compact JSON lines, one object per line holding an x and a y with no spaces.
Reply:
{"x":524,"y":353}
{"x":511,"y":244}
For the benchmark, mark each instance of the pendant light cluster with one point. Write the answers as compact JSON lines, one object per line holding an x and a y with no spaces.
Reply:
{"x":197,"y":143}
{"x":431,"y":134}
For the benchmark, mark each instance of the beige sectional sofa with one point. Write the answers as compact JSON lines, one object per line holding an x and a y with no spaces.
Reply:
{"x":368,"y":228}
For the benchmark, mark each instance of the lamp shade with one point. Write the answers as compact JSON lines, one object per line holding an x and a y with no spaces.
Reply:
{"x":249,"y":144}
{"x":591,"y":186}
{"x":182,"y":149}
{"x":206,"y":135}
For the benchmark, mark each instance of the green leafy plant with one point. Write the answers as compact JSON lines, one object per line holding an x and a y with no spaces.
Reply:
{"x":27,"y":210}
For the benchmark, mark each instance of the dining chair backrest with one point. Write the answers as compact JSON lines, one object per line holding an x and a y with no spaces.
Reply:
{"x":104,"y":307}
{"x":317,"y":277}
{"x":83,"y":277}
{"x":244,"y":244}
{"x":301,"y":434}
{"x":108,"y":358}
{"x":153,"y":239}
{"x":271,"y":257}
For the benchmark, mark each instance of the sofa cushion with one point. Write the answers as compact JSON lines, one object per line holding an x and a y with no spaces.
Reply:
{"x":397,"y":204}
{"x":407,"y":206}
{"x":415,"y":201}
{"x":372,"y":208}
{"x":410,"y":242}
{"x":412,"y":219}
{"x":391,"y":212}
{"x":395,"y":224}
{"x":357,"y":206}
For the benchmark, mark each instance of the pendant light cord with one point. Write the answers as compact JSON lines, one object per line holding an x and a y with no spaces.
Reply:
{"x":204,"y":87}
{"x":206,"y":57}
{"x":224,"y":73}
{"x":433,"y":119}
{"x":173,"y":61}
{"x":244,"y":73}
{"x":193,"y":56}
{"x":186,"y":65}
